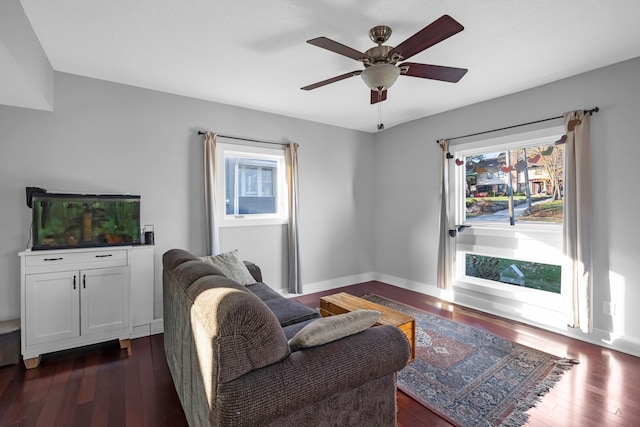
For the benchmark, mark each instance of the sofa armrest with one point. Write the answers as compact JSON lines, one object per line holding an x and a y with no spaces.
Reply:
{"x":311,"y":375}
{"x":254,"y":270}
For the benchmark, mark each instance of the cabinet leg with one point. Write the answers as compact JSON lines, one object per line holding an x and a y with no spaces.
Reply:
{"x":32,"y":363}
{"x":126,"y":343}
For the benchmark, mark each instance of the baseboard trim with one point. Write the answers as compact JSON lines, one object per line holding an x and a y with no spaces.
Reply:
{"x":599,"y":337}
{"x":413,"y":285}
{"x":141,"y":331}
{"x":327,"y":285}
{"x":155,"y":327}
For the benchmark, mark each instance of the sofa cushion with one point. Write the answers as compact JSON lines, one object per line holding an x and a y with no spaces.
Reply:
{"x":328,"y":329}
{"x":263,"y":291}
{"x":289,"y":311}
{"x":189,"y":271}
{"x":291,"y":330}
{"x":174,"y":257}
{"x":232,"y":267}
{"x":254,"y":270}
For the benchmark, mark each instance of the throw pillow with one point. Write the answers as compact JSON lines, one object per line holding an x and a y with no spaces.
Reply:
{"x":328,"y":329}
{"x":232,"y":267}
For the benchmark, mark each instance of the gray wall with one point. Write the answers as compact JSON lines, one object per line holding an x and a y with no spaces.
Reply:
{"x":369,"y":203}
{"x":407,"y":186}
{"x":106,"y":137}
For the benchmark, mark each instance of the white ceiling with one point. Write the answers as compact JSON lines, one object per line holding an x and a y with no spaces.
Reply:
{"x":252,"y":53}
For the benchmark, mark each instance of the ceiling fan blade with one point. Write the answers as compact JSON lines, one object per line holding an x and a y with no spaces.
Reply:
{"x":439,"y":30}
{"x":434,"y":72}
{"x":339,"y":48}
{"x":378,"y":96}
{"x":332,"y":80}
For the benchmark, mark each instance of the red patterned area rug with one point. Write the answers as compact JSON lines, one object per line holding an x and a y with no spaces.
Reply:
{"x":471,"y":377}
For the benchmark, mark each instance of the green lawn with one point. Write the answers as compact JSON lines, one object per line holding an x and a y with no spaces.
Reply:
{"x":547,"y":212}
{"x":545,"y":277}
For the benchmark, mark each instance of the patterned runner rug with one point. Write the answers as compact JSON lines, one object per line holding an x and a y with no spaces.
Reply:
{"x":471,"y":377}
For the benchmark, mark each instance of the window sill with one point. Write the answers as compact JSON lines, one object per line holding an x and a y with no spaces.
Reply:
{"x":248,"y":221}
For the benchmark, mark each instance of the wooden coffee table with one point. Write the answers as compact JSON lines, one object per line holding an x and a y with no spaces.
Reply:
{"x":343,"y":303}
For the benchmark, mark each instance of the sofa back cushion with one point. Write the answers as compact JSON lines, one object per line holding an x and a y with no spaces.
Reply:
{"x":174,"y":257}
{"x":189,"y":272}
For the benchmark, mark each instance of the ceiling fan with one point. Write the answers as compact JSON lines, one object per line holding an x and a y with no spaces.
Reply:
{"x":381,"y":71}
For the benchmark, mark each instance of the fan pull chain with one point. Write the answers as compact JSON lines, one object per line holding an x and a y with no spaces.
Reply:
{"x":380,"y":124}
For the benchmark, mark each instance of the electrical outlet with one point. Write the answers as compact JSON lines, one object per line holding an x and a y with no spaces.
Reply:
{"x":609,"y":308}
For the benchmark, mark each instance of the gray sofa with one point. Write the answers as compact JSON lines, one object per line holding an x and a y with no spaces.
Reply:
{"x":228,"y":353}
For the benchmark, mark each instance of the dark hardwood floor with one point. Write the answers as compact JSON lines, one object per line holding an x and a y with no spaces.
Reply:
{"x":93,"y":386}
{"x":603,"y":390}
{"x":100,"y":386}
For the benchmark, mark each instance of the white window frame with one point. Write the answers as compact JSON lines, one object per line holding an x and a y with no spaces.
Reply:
{"x":224,"y":150}
{"x":534,"y":242}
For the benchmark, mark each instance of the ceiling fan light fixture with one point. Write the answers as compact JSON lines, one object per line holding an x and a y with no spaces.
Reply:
{"x":380,"y":76}
{"x":380,"y":68}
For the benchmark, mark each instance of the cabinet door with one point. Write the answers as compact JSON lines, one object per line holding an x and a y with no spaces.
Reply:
{"x":104,"y":304}
{"x":52,"y":306}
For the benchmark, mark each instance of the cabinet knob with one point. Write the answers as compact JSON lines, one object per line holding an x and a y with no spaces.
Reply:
{"x":74,"y":281}
{"x":103,"y":256}
{"x":53,"y":259}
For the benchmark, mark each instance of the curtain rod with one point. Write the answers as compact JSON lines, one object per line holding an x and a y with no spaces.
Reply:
{"x":591,"y":111}
{"x":247,"y":139}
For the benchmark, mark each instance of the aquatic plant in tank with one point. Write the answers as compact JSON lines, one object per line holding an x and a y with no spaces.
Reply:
{"x":84,"y":220}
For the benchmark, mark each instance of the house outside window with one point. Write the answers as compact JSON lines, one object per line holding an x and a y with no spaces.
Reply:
{"x":509,"y":190}
{"x":253,"y":182}
{"x":250,"y":185}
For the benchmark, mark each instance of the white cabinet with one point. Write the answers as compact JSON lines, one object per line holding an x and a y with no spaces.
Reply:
{"x":104,"y":299}
{"x":54,"y":309}
{"x":74,"y":297}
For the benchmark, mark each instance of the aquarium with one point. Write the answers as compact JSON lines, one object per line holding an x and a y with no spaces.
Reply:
{"x":84,"y":220}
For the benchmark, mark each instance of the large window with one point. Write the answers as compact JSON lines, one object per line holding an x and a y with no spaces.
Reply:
{"x":510,"y":191}
{"x":521,"y":184}
{"x":254,"y":185}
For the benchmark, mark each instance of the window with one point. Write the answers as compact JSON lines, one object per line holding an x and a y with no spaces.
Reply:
{"x":533,"y":275}
{"x":249,"y":188}
{"x":519,"y":183}
{"x":253,"y":184}
{"x":509,"y":190}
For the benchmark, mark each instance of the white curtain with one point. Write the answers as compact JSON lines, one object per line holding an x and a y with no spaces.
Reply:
{"x":212,"y":234}
{"x":577,"y":223}
{"x":444,"y":274}
{"x":294,"y":283}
